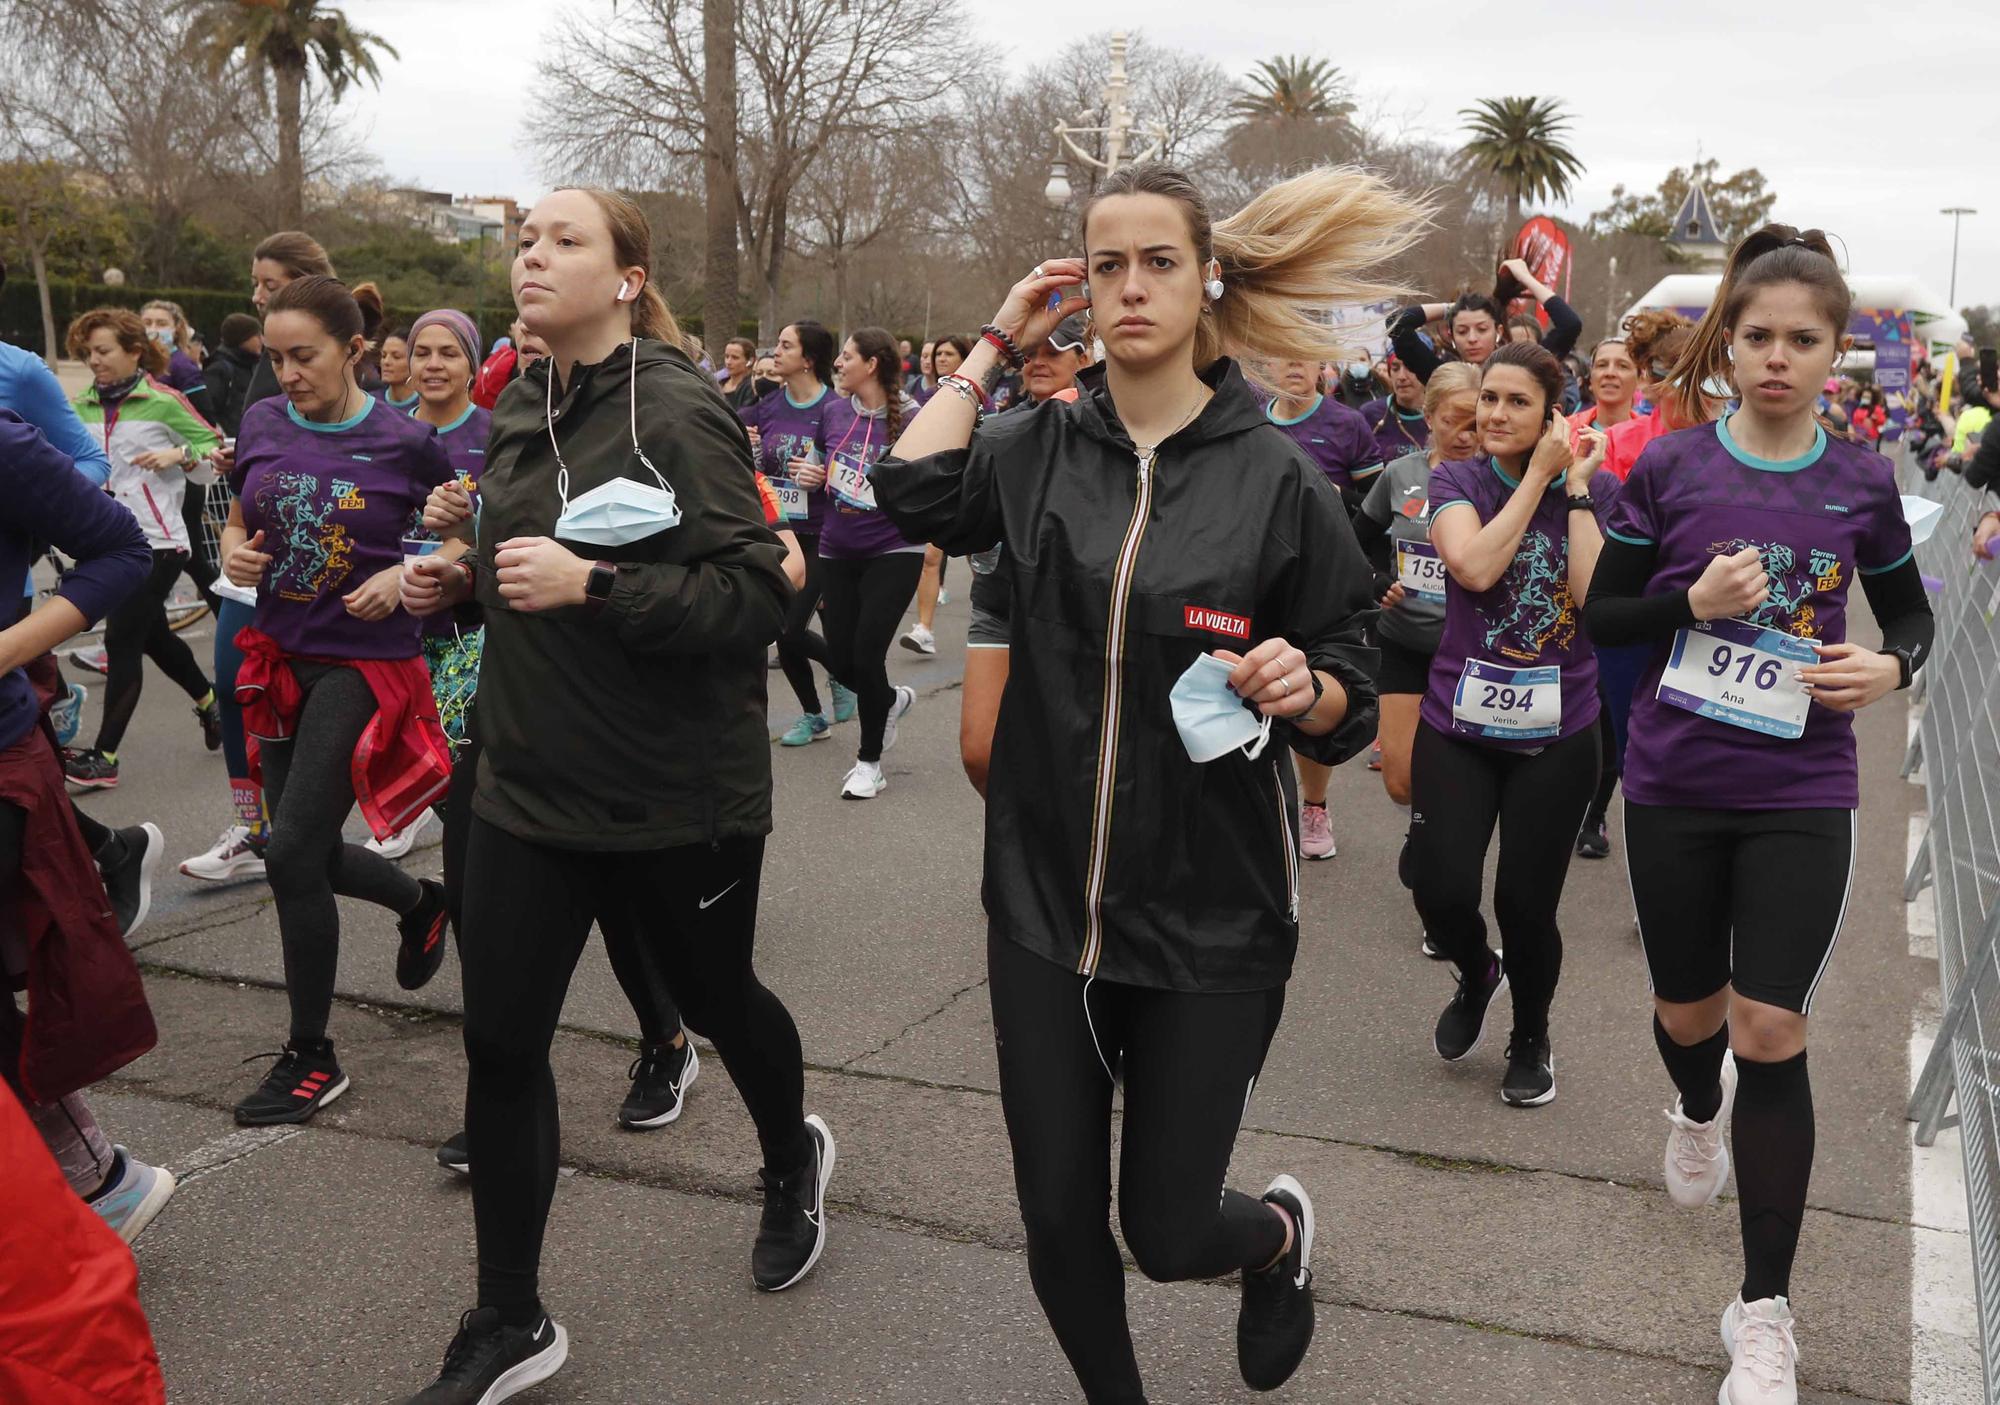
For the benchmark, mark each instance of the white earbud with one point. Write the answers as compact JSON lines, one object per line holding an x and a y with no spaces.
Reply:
{"x":1730,"y":352}
{"x":1213,"y":287}
{"x":625,"y":293}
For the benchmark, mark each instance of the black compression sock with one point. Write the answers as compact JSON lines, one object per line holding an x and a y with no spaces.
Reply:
{"x":1773,"y":1135}
{"x":1696,"y":1070}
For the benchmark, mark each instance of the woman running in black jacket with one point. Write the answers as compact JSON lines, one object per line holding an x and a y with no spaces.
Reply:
{"x":1175,"y":559}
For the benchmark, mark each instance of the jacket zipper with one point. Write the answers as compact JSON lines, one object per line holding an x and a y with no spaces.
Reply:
{"x":1290,"y":844}
{"x":1107,"y":736}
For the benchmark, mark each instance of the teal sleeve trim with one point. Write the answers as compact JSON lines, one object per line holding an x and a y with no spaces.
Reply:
{"x":1629,"y":541}
{"x":1878,"y":570}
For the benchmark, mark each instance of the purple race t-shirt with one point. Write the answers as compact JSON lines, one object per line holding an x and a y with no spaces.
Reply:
{"x":1336,"y":438}
{"x":464,"y":444}
{"x":790,"y":431}
{"x":1396,"y":431}
{"x":855,"y":439}
{"x":333,"y":502}
{"x":1498,"y":644}
{"x":1816,"y":520}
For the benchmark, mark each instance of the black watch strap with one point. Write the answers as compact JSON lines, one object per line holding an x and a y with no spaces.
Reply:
{"x":1905,"y":667}
{"x":597,"y":587}
{"x":1582,"y":502}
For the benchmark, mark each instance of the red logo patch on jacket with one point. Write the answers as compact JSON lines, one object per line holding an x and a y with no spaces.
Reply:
{"x":1218,"y":622}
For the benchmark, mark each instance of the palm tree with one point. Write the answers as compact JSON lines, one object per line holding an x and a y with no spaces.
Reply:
{"x":286,"y":39}
{"x":1294,"y":89}
{"x":1519,"y":142}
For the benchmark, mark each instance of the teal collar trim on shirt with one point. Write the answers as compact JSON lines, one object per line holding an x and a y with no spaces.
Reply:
{"x":445,"y":429}
{"x":806,"y":404}
{"x":367,"y":408}
{"x":1750,"y":460}
{"x":1504,"y":476}
{"x":1271,"y":411}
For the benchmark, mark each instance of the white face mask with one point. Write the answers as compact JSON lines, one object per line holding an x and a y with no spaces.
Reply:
{"x":1211,"y":719}
{"x":623,"y":510}
{"x":163,"y":335}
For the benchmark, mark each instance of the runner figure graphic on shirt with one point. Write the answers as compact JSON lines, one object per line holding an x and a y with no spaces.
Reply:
{"x":317,"y":554}
{"x":1790,"y":607}
{"x":1538,"y":611}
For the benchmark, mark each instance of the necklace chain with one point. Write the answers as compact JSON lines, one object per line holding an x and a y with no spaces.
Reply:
{"x":1146,"y":451}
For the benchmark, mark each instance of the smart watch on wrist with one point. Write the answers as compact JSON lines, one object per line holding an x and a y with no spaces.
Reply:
{"x":597,"y":586}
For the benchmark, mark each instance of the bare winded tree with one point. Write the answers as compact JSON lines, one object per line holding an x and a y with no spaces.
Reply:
{"x":863,"y":191}
{"x":622,"y":98}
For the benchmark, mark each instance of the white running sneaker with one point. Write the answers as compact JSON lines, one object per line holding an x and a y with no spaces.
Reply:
{"x":1697,"y":1161}
{"x":396,"y":846}
{"x":919,"y":640}
{"x":231,"y":856}
{"x":864,"y":782}
{"x":1763,"y":1357}
{"x":906,"y":698}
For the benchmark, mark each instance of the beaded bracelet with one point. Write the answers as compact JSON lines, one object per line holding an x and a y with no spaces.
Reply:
{"x":965,"y":388}
{"x":1003,"y":344}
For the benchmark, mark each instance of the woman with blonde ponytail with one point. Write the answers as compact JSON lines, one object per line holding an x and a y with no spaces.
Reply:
{"x":1184,"y":582}
{"x":1731,"y":557}
{"x":630,"y":588}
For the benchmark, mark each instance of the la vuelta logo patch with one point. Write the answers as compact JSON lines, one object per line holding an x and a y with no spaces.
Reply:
{"x":1217,"y":622}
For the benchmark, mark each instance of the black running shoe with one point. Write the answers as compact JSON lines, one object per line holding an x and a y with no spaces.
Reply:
{"x":1431,"y":949}
{"x":299,"y":1084}
{"x":126,"y":865}
{"x":454,"y":1156}
{"x":661,"y":1076}
{"x":793,"y":1230}
{"x":1593,"y":841}
{"x":90,"y":768}
{"x":1463,"y":1023}
{"x":1531,"y":1071}
{"x":488,"y":1361}
{"x":422,"y":930}
{"x":210,"y":717}
{"x":1274,"y":1326}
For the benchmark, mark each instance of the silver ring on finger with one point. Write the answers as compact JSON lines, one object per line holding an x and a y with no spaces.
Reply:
{"x":1038,"y":272}
{"x":1288,"y":685}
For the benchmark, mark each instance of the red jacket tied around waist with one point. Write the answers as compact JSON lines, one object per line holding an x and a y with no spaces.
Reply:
{"x":402,"y":764}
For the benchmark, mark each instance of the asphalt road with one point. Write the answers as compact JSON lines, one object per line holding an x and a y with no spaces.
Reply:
{"x":1467,"y":1251}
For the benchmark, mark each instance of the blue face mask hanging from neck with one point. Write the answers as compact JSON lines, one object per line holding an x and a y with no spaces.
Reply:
{"x":622,"y":510}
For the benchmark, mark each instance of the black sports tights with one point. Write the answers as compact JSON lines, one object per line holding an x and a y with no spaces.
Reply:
{"x":632,"y":959}
{"x":309,"y":785}
{"x":1459,"y":790}
{"x":137,"y":630}
{"x":799,"y":647}
{"x":1188,"y":1064}
{"x":865,"y":600}
{"x":528,"y":911}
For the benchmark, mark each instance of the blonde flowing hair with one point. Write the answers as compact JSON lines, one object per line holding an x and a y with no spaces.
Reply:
{"x":1307,"y":243}
{"x":1452,"y":378}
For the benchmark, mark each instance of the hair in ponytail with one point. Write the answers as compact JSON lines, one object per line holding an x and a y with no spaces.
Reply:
{"x":298,"y":253}
{"x":875,"y":344}
{"x":1655,"y":335}
{"x":632,"y":247}
{"x":1775,"y":254}
{"x":1305,"y":244}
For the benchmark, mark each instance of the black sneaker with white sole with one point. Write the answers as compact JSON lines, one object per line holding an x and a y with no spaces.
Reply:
{"x":1463,"y":1024}
{"x":1274,"y":1326}
{"x":421,"y":950}
{"x":1431,"y":949}
{"x":793,"y":1230}
{"x":126,"y":864}
{"x":299,"y":1084}
{"x":488,"y":1361}
{"x":455,"y":1154}
{"x":661,"y":1076}
{"x":1531,"y":1071}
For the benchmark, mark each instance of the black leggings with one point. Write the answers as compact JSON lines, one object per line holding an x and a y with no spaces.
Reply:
{"x":198,"y":565}
{"x":309,"y":784}
{"x":528,"y":912}
{"x":134,"y":631}
{"x":1458,"y":790}
{"x":632,"y":961}
{"x":1188,"y":1063}
{"x":799,"y":647}
{"x":865,"y":600}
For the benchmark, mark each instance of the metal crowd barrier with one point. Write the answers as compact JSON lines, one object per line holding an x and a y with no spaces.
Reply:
{"x":1958,"y":745}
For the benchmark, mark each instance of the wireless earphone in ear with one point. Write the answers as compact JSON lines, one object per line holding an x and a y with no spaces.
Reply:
{"x":625,"y":293}
{"x":1213,"y":287}
{"x":1730,"y":352}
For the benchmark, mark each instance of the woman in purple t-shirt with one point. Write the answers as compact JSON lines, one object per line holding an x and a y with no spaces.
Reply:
{"x":327,"y":480}
{"x":1507,"y":729}
{"x":1732,"y":554}
{"x":869,"y":567}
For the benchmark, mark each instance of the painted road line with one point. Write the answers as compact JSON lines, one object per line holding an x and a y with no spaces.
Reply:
{"x":1944,"y":1318}
{"x":211,"y":1157}
{"x":1922,"y":914}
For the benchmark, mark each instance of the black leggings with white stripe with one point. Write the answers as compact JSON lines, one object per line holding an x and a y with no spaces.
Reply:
{"x":1187,"y":1062}
{"x":1750,"y":899}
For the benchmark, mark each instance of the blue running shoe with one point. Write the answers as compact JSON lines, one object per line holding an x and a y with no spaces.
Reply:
{"x":66,"y":714}
{"x":810,"y":727}
{"x":132,"y":1195}
{"x":845,"y":704}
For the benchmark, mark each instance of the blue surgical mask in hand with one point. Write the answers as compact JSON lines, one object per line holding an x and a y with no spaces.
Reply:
{"x":1211,"y":719}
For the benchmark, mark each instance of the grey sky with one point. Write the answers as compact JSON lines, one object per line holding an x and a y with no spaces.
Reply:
{"x":1867,"y":118}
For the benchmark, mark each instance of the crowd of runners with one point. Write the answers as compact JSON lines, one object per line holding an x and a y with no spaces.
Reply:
{"x":1210,"y":555}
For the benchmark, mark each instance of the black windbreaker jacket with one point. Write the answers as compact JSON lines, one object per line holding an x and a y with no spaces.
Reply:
{"x":1107,"y":849}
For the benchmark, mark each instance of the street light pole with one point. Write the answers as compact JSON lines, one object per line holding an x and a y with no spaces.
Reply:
{"x":1956,"y":212}
{"x":1117,"y":133}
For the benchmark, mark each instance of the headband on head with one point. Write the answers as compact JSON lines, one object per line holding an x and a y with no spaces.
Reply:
{"x":455,"y":322}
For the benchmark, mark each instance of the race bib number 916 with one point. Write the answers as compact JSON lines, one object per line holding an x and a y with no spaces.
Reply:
{"x":1739,"y":674}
